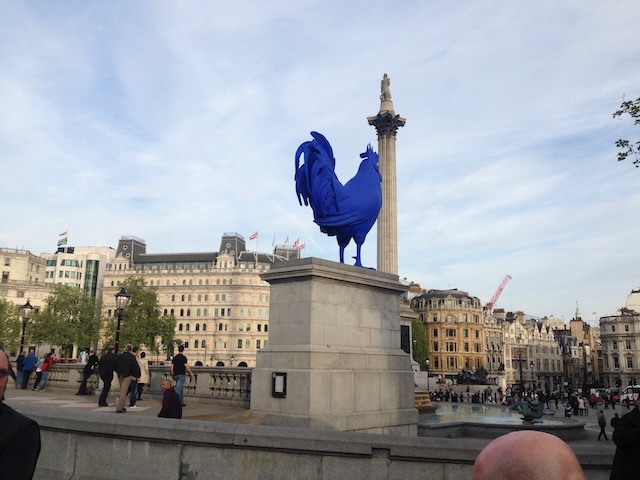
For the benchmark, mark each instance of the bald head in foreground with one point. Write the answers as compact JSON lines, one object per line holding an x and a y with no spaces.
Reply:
{"x":527,"y":455}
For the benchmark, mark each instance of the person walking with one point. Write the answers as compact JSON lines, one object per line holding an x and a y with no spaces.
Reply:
{"x":602,"y":422}
{"x":28,"y":367}
{"x":171,"y":407}
{"x":89,"y":369}
{"x":179,"y":368}
{"x":19,"y":368}
{"x":106,"y":367}
{"x":127,"y":369}
{"x":626,"y":436}
{"x":133,"y":386}
{"x":145,"y":377}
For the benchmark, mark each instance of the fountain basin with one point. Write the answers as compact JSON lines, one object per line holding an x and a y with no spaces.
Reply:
{"x":460,"y":420}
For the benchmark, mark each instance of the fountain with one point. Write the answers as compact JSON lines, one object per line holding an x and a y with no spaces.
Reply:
{"x":463,"y":420}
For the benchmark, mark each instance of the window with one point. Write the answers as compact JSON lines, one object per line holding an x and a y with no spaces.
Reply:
{"x":195,"y":344}
{"x":435,"y":347}
{"x":466,"y":346}
{"x":258,"y":344}
{"x":259,"y":327}
{"x":451,"y":332}
{"x":435,"y":332}
{"x":180,"y":327}
{"x":627,"y":344}
{"x":465,"y":333}
{"x":436,"y":363}
{"x":476,"y":347}
{"x":452,"y":347}
{"x":188,"y":327}
{"x":616,"y":362}
{"x":239,"y":343}
{"x":626,"y":328}
{"x":629,"y":362}
{"x":613,"y":328}
{"x":266,"y":329}
{"x":197,"y":327}
{"x":204,"y":344}
{"x":186,"y":344}
{"x":614,"y":345}
{"x":219,"y":327}
{"x":204,"y":328}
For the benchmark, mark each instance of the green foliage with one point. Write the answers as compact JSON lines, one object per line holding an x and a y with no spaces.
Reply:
{"x":70,"y":317}
{"x":142,"y":322}
{"x":631,"y":108}
{"x":420,"y":351}
{"x":10,"y":328}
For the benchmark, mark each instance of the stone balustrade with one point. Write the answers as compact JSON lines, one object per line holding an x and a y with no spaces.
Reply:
{"x":230,"y":385}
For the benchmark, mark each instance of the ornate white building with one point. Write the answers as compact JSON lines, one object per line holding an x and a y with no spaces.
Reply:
{"x":220,"y":303}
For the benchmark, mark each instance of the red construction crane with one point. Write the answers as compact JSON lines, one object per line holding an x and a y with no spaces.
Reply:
{"x":493,"y":301}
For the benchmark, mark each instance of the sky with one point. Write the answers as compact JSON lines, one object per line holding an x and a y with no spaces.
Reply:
{"x":176,"y":121}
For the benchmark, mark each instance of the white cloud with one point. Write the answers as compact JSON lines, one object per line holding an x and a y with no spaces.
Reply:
{"x":176,"y":122}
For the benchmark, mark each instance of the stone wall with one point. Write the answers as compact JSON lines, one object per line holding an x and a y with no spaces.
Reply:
{"x":89,"y":445}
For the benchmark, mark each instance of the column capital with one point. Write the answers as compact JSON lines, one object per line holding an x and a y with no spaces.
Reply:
{"x":387,"y":123}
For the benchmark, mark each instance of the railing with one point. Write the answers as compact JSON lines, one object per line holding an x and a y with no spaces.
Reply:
{"x":207,"y":385}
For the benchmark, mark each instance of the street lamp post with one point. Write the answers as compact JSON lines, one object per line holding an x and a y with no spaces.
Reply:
{"x":122,"y":300}
{"x":533,"y":379}
{"x":426,"y":362}
{"x":26,"y":313}
{"x":521,"y":379}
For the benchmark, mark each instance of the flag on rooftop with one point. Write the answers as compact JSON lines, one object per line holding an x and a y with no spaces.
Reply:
{"x":62,"y":234}
{"x":254,"y":236}
{"x":63,"y":241}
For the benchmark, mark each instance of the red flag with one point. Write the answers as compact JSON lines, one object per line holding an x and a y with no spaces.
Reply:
{"x":254,"y":236}
{"x":301,"y":246}
{"x":295,"y":244}
{"x":62,"y":234}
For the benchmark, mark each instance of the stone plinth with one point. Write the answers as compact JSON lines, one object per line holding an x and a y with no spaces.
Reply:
{"x":335,"y":333}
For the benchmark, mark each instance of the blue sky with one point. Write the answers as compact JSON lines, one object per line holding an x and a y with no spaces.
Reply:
{"x":178,"y":121}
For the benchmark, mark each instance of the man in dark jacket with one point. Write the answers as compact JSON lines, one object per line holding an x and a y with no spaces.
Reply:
{"x":106,"y":367}
{"x":127,"y":369}
{"x":171,"y":407}
{"x":89,"y":369}
{"x":19,"y":436}
{"x":626,"y":436}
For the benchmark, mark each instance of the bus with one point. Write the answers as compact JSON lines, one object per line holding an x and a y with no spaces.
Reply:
{"x":630,"y":393}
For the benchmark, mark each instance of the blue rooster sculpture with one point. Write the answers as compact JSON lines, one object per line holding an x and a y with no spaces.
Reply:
{"x":344,"y":211}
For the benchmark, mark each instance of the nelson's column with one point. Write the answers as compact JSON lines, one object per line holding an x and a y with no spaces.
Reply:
{"x":387,"y":123}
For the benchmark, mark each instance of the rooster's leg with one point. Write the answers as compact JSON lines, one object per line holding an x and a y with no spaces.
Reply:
{"x":357,"y":257}
{"x":343,"y":241}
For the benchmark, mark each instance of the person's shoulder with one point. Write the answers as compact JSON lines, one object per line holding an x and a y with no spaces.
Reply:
{"x":10,"y":417}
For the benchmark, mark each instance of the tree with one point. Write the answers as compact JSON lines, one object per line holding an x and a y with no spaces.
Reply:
{"x":420,"y":350}
{"x":632,"y":108}
{"x":9,"y":325}
{"x":70,"y":317}
{"x":142,"y":322}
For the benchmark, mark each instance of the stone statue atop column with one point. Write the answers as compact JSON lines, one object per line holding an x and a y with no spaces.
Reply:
{"x":384,"y":88}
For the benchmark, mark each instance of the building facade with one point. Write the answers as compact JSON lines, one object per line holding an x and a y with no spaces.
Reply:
{"x":219,"y":301}
{"x":23,"y":278}
{"x":620,"y":341}
{"x":454,"y":328}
